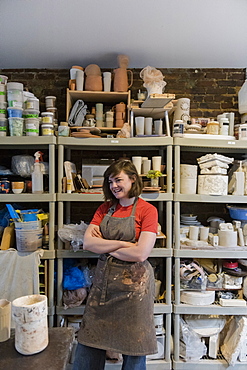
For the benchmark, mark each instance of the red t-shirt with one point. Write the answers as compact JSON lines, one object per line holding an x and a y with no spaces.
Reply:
{"x":146,"y":215}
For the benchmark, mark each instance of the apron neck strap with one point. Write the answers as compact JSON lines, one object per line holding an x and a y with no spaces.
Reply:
{"x":112,"y":209}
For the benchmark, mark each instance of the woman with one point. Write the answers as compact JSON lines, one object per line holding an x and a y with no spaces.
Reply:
{"x":119,"y":311}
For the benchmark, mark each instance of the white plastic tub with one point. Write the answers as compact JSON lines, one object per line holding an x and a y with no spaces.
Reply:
{"x":28,"y":240}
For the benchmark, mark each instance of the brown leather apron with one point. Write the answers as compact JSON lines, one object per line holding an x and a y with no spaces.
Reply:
{"x":119,"y":310}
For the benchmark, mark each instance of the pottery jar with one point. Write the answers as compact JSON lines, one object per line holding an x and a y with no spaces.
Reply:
{"x":93,"y":83}
{"x":121,"y":79}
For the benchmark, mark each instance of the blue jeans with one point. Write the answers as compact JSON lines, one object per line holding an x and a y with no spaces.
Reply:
{"x":89,"y":358}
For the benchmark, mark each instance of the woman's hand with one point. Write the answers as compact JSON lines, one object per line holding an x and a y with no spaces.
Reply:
{"x":94,"y":242}
{"x":95,"y":232}
{"x":137,"y":252}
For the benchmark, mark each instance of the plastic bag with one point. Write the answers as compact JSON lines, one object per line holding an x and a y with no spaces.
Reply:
{"x":74,"y":234}
{"x":191,"y":346}
{"x":22,"y":165}
{"x":153,"y":80}
{"x":74,"y":298}
{"x":73,"y":279}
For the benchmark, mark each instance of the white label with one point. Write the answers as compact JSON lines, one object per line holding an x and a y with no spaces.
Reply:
{"x":231,"y":142}
{"x":114,"y":141}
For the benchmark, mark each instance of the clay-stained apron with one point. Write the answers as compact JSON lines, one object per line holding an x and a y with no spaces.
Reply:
{"x":119,"y":311}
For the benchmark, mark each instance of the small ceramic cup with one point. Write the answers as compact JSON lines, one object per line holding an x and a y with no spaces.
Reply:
{"x":17,"y":187}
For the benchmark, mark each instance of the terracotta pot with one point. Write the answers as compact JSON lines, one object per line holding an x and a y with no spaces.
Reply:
{"x":121,"y":79}
{"x":119,"y":123}
{"x":93,"y":83}
{"x":120,"y":107}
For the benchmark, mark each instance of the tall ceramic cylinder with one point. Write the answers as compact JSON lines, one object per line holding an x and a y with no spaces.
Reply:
{"x":137,"y":161}
{"x":107,"y":81}
{"x":5,"y":319}
{"x":31,"y":329}
{"x":156,"y":163}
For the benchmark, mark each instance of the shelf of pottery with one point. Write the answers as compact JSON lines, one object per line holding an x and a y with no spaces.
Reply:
{"x":90,"y":153}
{"x":210,"y":250}
{"x":13,"y":194}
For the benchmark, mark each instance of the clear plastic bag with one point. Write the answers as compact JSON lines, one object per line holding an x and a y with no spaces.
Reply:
{"x":74,"y":234}
{"x":22,"y":165}
{"x":191,"y":346}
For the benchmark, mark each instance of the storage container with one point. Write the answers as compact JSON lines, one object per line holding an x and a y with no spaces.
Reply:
{"x":47,"y":117}
{"x":3,"y":126}
{"x":47,"y":129}
{"x":15,"y":94}
{"x":15,"y":126}
{"x":32,"y":104}
{"x":14,"y":112}
{"x":30,"y":113}
{"x":28,"y":240}
{"x":3,"y":109}
{"x":50,"y":101}
{"x":32,"y":126}
{"x":3,"y":95}
{"x":3,"y":80}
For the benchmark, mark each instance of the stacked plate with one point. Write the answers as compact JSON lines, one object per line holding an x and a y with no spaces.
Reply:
{"x":189,"y":219}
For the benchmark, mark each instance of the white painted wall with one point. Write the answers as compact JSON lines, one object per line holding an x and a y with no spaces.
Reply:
{"x":160,"y":33}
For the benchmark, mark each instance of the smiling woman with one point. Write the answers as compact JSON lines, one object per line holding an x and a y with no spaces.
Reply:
{"x":119,"y":311}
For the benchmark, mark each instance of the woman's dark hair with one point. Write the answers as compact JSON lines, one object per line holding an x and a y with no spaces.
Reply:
{"x":113,"y":170}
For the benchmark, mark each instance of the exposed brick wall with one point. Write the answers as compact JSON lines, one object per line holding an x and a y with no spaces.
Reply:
{"x":210,"y":90}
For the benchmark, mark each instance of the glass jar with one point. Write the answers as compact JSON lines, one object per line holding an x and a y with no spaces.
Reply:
{"x":63,"y":129}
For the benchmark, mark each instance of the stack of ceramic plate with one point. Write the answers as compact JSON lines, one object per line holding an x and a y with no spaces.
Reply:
{"x":189,"y":220}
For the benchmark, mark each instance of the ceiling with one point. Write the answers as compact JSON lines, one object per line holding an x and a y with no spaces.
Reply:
{"x":160,"y":33}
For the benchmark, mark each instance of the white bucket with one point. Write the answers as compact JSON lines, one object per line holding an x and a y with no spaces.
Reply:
{"x":28,"y":240}
{"x":5,"y":319}
{"x":29,"y":225}
{"x":31,"y":329}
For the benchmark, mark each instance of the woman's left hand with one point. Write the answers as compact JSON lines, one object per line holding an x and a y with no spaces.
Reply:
{"x":95,"y":232}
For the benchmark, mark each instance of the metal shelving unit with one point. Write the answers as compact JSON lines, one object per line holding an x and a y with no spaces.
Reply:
{"x":202,"y":145}
{"x":35,"y":143}
{"x":163,"y":146}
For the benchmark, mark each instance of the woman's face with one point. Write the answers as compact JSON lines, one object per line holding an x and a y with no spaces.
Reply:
{"x":120,"y":185}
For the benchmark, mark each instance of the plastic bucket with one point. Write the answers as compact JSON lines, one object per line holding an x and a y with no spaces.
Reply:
{"x":3,"y":79}
{"x":15,"y":94}
{"x":15,"y":126}
{"x":32,"y":126}
{"x":32,"y":104}
{"x":29,"y":225}
{"x":31,"y":328}
{"x":14,"y":112}
{"x":3,"y":126}
{"x":3,"y":109}
{"x":5,"y":319}
{"x":27,"y":95}
{"x":30,"y":113}
{"x":28,"y":240}
{"x":3,"y":95}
